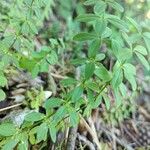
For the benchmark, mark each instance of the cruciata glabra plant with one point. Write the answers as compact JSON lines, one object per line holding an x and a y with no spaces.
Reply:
{"x":114,"y":44}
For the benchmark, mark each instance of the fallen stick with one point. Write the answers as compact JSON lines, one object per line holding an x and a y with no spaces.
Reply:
{"x":92,"y":133}
{"x":86,"y":141}
{"x":10,"y":107}
{"x":71,"y":138}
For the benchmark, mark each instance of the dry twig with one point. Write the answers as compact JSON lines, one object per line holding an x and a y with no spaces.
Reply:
{"x":10,"y":107}
{"x":144,"y":113}
{"x":86,"y":141}
{"x":71,"y":138}
{"x":92,"y":133}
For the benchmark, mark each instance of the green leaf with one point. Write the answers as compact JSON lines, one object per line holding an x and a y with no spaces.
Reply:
{"x":126,"y":38}
{"x":34,"y":116}
{"x":117,"y":22}
{"x":89,"y":70}
{"x":134,"y":23}
{"x":99,"y":7}
{"x":60,"y":114}
{"x":27,"y":63}
{"x":116,"y":47}
{"x":32,"y":139}
{"x":123,"y":90}
{"x":117,"y":78}
{"x":35,"y":71}
{"x":3,"y":81}
{"x":90,"y":96}
{"x":87,"y":17}
{"x":141,"y":50}
{"x":146,"y":37}
{"x":146,"y":34}
{"x":132,"y":81}
{"x":91,"y":85}
{"x":2,"y":65}
{"x":117,"y":97}
{"x":17,"y":44}
{"x":22,"y":146}
{"x":7,"y":129}
{"x":100,"y":57}
{"x":94,"y":47}
{"x":52,"y":131}
{"x":130,"y":69}
{"x":52,"y":103}
{"x":125,"y":54}
{"x":8,"y":40}
{"x":52,"y":58}
{"x":68,"y":82}
{"x":78,"y":61}
{"x":44,"y":66}
{"x":84,"y":36}
{"x":129,"y":73}
{"x":90,"y":2}
{"x":42,"y":53}
{"x":77,"y":92}
{"x":10,"y":145}
{"x":74,"y":118}
{"x":23,"y":138}
{"x":116,"y":6}
{"x":97,"y":102}
{"x":87,"y":111}
{"x":33,"y":27}
{"x":42,"y":132}
{"x":100,"y":26}
{"x":28,"y":2}
{"x":38,"y":12}
{"x":25,"y":28}
{"x":103,"y":73}
{"x":2,"y":95}
{"x":107,"y":101}
{"x":135,"y":38}
{"x":107,"y":33}
{"x":143,"y":61}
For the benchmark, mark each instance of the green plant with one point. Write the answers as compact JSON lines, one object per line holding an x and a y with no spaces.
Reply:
{"x":114,"y":46}
{"x":20,"y":25}
{"x":115,"y":115}
{"x":35,"y":98}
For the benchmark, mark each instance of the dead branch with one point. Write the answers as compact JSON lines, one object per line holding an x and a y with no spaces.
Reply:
{"x":92,"y":133}
{"x":86,"y":142}
{"x":10,"y":107}
{"x":71,"y":138}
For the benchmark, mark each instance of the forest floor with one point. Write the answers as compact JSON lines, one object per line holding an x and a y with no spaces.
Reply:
{"x":93,"y":133}
{"x":132,"y":133}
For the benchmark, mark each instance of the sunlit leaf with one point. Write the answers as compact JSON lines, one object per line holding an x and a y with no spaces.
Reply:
{"x":89,"y":70}
{"x":87,"y":17}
